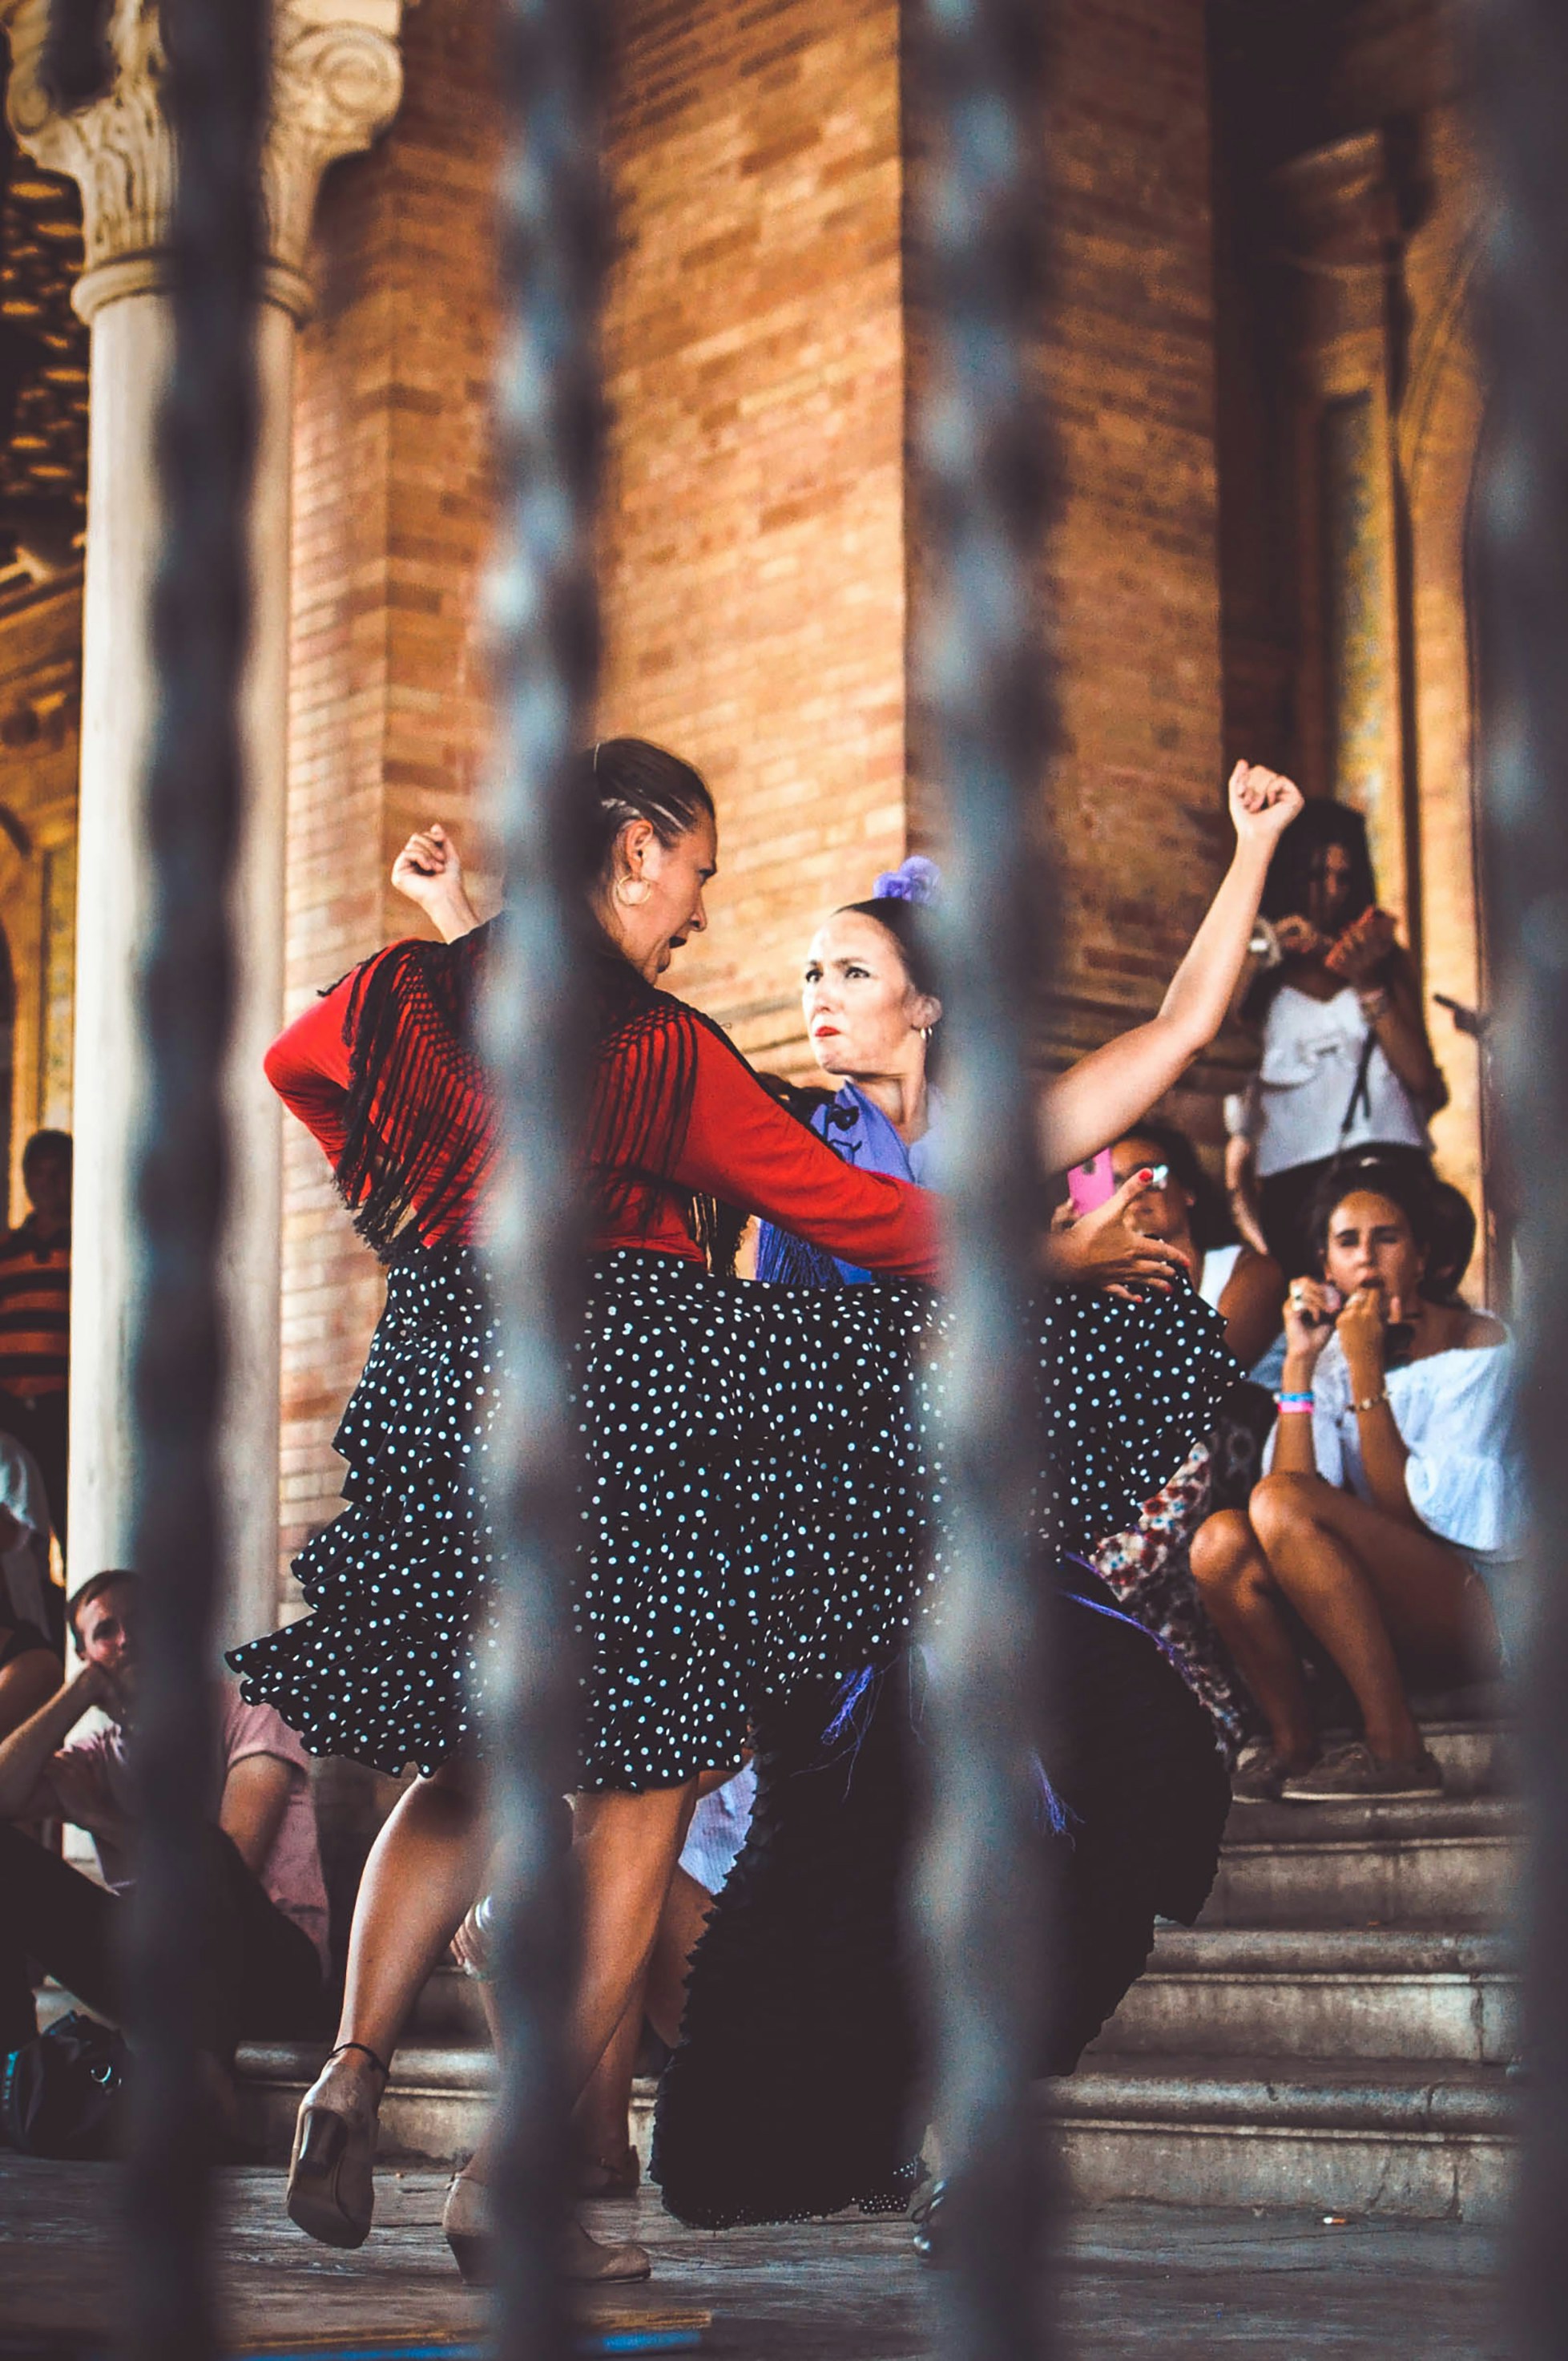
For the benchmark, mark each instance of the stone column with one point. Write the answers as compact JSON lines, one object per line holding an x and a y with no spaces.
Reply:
{"x":1341,"y":243}
{"x":336,"y":82}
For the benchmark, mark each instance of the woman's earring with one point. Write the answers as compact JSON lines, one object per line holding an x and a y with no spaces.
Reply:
{"x":632,"y":891}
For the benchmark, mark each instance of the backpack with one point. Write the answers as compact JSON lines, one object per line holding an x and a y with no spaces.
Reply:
{"x":62,"y":2093}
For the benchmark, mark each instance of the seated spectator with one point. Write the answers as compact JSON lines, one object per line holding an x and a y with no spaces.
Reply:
{"x":35,"y":1315}
{"x":1147,"y":1567}
{"x":26,"y":1582}
{"x":263,"y":1936}
{"x":1389,"y":1520}
{"x":30,"y":1669}
{"x":1181,"y":1207}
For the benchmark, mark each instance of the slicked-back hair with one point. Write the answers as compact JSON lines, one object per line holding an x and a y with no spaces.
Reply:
{"x":627,"y":779}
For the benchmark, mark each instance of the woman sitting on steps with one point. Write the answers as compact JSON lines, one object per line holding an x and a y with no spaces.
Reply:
{"x":1388,"y":1522}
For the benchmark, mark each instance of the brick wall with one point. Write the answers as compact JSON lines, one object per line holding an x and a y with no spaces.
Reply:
{"x":754,"y":531}
{"x":1286,"y":87}
{"x":41,"y":707}
{"x":392,"y":521}
{"x":1137,"y":803}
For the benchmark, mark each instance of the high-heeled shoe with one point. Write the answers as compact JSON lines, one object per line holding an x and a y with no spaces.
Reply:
{"x":469,"y":2230}
{"x":330,"y":2192}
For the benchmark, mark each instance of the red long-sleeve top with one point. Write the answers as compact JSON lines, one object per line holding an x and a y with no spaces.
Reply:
{"x":739,"y":1146}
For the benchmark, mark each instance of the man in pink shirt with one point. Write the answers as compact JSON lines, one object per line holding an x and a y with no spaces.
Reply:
{"x":263,"y":1930}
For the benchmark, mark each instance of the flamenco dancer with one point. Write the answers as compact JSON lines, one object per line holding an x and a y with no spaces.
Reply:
{"x":799,"y":2003}
{"x":794,"y":2090}
{"x":698,"y":1396}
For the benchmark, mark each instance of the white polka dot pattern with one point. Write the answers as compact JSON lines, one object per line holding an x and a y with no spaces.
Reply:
{"x":761,"y":1499}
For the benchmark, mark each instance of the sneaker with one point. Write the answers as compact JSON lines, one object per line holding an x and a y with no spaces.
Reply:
{"x":1260,"y":1774}
{"x":1354,"y":1774}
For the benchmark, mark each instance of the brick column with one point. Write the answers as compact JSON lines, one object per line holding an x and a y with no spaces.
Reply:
{"x":336,"y":82}
{"x":1342,"y":234}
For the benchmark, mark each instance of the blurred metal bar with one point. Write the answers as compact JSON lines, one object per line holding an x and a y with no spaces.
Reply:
{"x":1522,"y":51}
{"x":215,"y":94}
{"x":976,"y":214}
{"x":545,"y":618}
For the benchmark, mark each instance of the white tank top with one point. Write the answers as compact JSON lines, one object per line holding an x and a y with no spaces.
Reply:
{"x":1312,"y":1049}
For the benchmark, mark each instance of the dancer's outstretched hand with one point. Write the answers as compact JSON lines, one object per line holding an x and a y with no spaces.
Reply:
{"x":428,"y":873}
{"x":1263,"y":804}
{"x":1103,"y":1249}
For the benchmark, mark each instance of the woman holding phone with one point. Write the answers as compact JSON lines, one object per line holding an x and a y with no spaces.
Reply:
{"x":1346,"y":1061}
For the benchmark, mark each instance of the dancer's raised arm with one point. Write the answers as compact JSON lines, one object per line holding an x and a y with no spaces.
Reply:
{"x":1112,"y":1089}
{"x":428,"y":873}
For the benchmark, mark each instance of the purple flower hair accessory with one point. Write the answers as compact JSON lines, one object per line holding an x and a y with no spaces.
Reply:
{"x":915,"y":879}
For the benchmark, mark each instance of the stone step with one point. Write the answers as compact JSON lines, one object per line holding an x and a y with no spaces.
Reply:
{"x":1476,"y":1758}
{"x":1400,"y":2141}
{"x":1320,"y":1992}
{"x":449,"y":2011}
{"x":433,"y":2110}
{"x":435,"y":2106}
{"x":1447,"y":1861}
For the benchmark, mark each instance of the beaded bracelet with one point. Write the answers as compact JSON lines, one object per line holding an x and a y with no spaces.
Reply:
{"x":1374,"y":1401}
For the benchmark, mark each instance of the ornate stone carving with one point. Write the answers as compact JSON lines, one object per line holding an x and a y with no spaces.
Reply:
{"x":336,"y":82}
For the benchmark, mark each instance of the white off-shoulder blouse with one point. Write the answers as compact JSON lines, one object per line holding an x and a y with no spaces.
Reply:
{"x":1455,"y":1411}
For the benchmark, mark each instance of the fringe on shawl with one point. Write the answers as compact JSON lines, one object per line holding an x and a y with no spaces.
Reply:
{"x":416,"y":1079}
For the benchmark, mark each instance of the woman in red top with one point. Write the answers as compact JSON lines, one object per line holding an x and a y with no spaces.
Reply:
{"x":701,"y":1402}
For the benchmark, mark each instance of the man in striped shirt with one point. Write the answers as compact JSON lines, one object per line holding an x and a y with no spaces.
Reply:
{"x":35,"y":1315}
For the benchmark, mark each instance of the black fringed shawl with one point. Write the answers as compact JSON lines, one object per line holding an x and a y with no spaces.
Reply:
{"x":420,"y":1117}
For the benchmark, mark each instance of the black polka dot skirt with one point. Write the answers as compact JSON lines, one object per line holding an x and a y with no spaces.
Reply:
{"x":760,"y":1501}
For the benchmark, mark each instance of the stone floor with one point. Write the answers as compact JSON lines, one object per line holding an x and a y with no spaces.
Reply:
{"x":1137,"y":2282}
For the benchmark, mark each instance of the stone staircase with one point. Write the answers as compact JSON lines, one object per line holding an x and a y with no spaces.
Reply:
{"x":1334,"y":2036}
{"x":1336,"y":2033}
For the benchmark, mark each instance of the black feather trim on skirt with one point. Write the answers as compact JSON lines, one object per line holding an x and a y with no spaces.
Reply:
{"x":798,"y":2086}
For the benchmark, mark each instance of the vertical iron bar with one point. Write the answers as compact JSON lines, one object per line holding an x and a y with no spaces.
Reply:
{"x":1522,"y":51}
{"x":985,"y":716}
{"x":545,"y":618}
{"x":215,"y":93}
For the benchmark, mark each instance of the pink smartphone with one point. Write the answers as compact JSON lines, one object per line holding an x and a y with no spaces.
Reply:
{"x":1091,"y":1183}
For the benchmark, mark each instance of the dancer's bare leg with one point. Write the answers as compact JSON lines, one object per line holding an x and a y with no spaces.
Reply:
{"x":418,"y":1881}
{"x":423,"y":1873}
{"x":625,"y":1848}
{"x":686,"y":1914}
{"x":601,"y":2128}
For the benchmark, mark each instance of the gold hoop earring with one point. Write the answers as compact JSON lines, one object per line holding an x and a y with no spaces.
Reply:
{"x":632,"y":892}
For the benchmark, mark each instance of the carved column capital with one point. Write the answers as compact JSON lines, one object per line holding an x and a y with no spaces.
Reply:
{"x":336,"y":83}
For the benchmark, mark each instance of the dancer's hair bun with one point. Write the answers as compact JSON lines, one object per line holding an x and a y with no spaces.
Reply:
{"x":915,"y":879}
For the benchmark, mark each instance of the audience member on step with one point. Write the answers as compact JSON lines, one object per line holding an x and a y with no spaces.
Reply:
{"x":262,"y":1937}
{"x":35,"y":1315}
{"x":1177,"y":1205}
{"x":1346,"y":1063}
{"x":1389,"y":1520}
{"x":26,"y":1586}
{"x":30,"y":1669}
{"x":1148,"y":1565}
